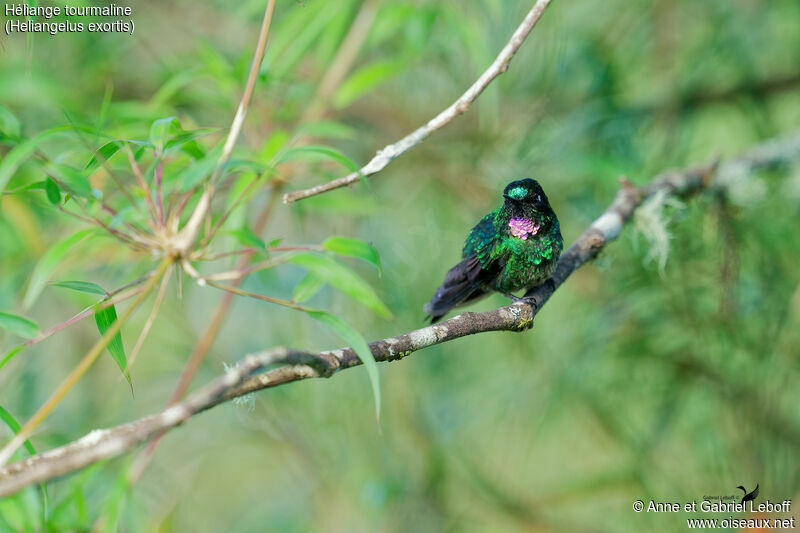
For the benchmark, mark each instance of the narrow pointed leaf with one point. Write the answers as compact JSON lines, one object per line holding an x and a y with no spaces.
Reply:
{"x":52,"y":191}
{"x":11,"y":353}
{"x":359,"y":345}
{"x":341,"y":278}
{"x":103,"y":154}
{"x":12,"y":423}
{"x":246,"y":236}
{"x":73,"y":180}
{"x":162,"y":131}
{"x":19,"y":325}
{"x":308,"y":287}
{"x":15,"y":426}
{"x":13,"y":159}
{"x":81,"y":286}
{"x":104,"y":318}
{"x":48,"y":264}
{"x":9,"y":124}
{"x":318,"y":152}
{"x":353,"y":248}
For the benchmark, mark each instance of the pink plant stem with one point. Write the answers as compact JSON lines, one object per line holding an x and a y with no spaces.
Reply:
{"x":159,"y":191}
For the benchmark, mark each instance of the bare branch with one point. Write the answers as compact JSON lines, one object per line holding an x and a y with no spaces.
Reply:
{"x":386,"y":155}
{"x":103,"y":444}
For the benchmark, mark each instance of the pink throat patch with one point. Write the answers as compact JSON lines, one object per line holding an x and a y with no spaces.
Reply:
{"x":522,"y":227}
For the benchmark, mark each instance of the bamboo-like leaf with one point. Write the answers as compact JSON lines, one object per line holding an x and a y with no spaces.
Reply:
{"x":359,"y":345}
{"x":9,"y":124}
{"x":353,"y":248}
{"x":104,"y":318}
{"x":73,"y":180}
{"x":328,"y":128}
{"x":81,"y":286}
{"x":104,"y":153}
{"x":319,"y":152}
{"x":12,"y":423}
{"x":308,"y":287}
{"x":363,"y":80}
{"x":162,"y":131}
{"x":19,"y":325}
{"x":48,"y":264}
{"x":15,"y":426}
{"x":199,"y":170}
{"x":13,"y":159}
{"x":52,"y":191}
{"x":342,"y":278}
{"x":11,"y":353}
{"x":246,"y":236}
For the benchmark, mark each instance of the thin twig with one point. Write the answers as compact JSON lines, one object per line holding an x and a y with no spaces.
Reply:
{"x":187,"y":236}
{"x":159,"y":174}
{"x":386,"y":155}
{"x":263,"y":297}
{"x":151,"y":207}
{"x":162,"y":290}
{"x":103,"y":444}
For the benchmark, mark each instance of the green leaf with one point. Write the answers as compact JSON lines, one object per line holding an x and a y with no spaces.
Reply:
{"x":162,"y":131}
{"x":341,"y":278}
{"x":11,"y":353}
{"x":104,"y":318}
{"x":73,"y":180}
{"x":185,"y":141}
{"x":359,"y":345}
{"x":199,"y":170}
{"x":317,"y":152}
{"x":19,"y":325}
{"x":13,"y":159}
{"x":246,"y":236}
{"x":103,"y":154}
{"x":81,"y":286}
{"x":308,"y":287}
{"x":12,"y":423}
{"x":52,"y":191}
{"x":329,"y":129}
{"x":363,"y":80}
{"x":273,"y":145}
{"x":353,"y":248}
{"x":9,"y":124}
{"x":48,"y":264}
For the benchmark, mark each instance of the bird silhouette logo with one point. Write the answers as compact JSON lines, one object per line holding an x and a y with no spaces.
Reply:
{"x":748,"y":496}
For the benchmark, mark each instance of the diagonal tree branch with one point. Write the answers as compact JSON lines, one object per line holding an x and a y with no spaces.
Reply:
{"x":388,"y":153}
{"x":106,"y":443}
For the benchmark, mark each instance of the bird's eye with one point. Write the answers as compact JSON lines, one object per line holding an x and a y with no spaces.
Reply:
{"x":538,"y":197}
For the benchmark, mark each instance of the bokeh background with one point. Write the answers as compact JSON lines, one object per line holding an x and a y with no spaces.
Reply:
{"x":667,"y":369}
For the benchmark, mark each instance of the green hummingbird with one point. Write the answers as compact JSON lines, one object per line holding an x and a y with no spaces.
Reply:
{"x":514,"y":247}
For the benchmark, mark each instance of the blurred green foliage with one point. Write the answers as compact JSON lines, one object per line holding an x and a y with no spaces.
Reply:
{"x":636,"y":382}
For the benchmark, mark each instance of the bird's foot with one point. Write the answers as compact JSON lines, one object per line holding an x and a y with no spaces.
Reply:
{"x":529,"y":300}
{"x":514,"y":299}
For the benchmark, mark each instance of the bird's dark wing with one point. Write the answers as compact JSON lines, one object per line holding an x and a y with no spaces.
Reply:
{"x":467,"y":281}
{"x":754,"y":494}
{"x":461,"y":283}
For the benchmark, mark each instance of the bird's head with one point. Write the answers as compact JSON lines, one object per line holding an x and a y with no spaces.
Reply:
{"x":525,"y":198}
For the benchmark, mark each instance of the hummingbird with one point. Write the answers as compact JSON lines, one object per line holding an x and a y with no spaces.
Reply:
{"x":514,"y":247}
